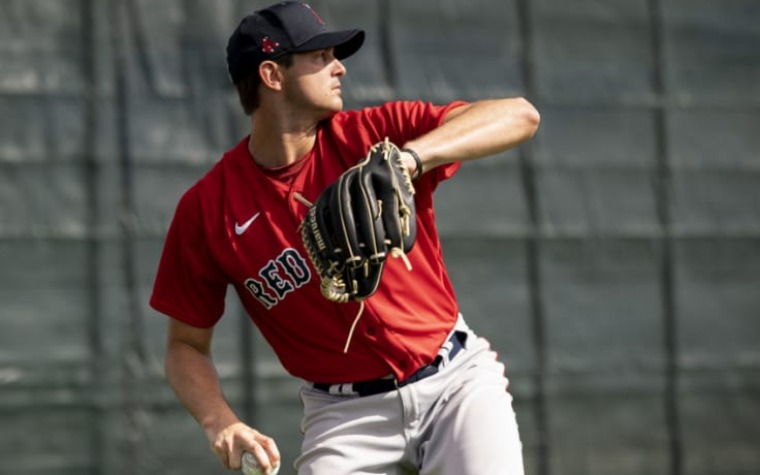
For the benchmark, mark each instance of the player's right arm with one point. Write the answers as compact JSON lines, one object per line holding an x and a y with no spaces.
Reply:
{"x":191,"y":373}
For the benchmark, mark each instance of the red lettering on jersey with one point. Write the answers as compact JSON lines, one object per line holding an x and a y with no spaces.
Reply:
{"x":295,"y":266}
{"x":274,"y":286}
{"x":260,"y":293}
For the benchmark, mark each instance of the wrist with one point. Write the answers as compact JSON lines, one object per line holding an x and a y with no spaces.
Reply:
{"x":215,"y":425}
{"x":418,"y":169}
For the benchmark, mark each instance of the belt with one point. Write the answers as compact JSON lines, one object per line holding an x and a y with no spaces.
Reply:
{"x":448,"y":351}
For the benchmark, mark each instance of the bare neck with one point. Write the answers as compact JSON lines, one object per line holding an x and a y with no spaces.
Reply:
{"x":279,"y":141}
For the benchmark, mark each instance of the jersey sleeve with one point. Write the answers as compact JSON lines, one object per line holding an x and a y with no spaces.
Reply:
{"x":403,"y":121}
{"x":189,"y":286}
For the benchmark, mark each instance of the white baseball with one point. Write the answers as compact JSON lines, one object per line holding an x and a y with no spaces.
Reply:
{"x":251,"y":466}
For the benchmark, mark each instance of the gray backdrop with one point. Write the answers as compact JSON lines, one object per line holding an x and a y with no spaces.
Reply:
{"x":614,"y":261}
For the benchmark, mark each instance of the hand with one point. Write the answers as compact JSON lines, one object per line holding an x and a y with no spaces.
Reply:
{"x":363,"y":217}
{"x":411,"y":163}
{"x":230,"y":443}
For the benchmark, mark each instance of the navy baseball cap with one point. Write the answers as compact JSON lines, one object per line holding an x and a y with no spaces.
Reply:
{"x":287,"y":27}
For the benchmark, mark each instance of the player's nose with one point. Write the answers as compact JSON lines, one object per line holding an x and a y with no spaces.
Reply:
{"x":338,"y":68}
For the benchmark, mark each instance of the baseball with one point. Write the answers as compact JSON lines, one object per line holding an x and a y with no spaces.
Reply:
{"x":251,"y":466}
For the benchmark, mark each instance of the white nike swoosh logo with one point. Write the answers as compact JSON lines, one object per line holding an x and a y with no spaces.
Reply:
{"x":240,"y":229}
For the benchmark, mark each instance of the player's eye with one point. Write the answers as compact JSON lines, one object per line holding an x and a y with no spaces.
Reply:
{"x":327,"y":55}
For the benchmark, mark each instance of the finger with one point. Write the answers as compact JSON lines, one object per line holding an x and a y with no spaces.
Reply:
{"x":271,"y":449}
{"x":219,"y":449}
{"x":236,"y":455}
{"x":262,"y":457}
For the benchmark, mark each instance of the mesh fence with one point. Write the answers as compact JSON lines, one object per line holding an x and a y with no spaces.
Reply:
{"x":613,"y":261}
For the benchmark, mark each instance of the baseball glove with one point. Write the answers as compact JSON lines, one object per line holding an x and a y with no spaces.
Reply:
{"x":366,"y":215}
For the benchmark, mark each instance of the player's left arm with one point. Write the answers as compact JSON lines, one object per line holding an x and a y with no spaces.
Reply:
{"x":474,"y":131}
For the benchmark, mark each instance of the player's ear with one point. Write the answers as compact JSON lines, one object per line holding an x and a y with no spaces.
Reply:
{"x":271,"y":75}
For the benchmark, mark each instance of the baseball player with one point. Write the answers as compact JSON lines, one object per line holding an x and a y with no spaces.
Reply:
{"x":406,"y":388}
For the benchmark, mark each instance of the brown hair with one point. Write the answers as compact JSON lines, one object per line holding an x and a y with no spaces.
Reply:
{"x":248,"y":88}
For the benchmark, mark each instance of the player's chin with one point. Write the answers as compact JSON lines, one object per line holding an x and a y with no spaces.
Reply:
{"x":332,"y":107}
{"x":336,"y":102}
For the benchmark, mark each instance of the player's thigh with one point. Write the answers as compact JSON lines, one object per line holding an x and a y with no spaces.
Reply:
{"x":354,"y":456}
{"x":346,"y":436}
{"x":476,"y":429}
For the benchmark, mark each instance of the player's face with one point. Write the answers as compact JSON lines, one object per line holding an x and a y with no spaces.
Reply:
{"x":312,"y":83}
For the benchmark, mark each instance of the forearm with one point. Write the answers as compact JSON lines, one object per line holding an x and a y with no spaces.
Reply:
{"x":477,"y":130}
{"x":192,"y":376}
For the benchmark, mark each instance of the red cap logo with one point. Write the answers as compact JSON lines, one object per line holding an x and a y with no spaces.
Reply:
{"x":321,"y":22}
{"x":268,"y":45}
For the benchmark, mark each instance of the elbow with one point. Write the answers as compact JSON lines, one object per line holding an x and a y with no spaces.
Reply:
{"x":528,"y":117}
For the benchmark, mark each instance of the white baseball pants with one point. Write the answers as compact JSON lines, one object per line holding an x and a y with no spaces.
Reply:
{"x":459,"y":421}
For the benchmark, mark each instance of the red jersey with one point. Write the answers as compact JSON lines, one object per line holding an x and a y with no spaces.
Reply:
{"x":238,"y":225}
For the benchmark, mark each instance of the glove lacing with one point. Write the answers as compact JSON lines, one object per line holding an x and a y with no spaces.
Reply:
{"x":404,"y":210}
{"x":334,"y":288}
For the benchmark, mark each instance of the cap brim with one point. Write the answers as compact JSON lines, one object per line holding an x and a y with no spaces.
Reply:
{"x":346,"y":42}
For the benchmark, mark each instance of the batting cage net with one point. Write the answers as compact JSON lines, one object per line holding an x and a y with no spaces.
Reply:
{"x":613,"y":261}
